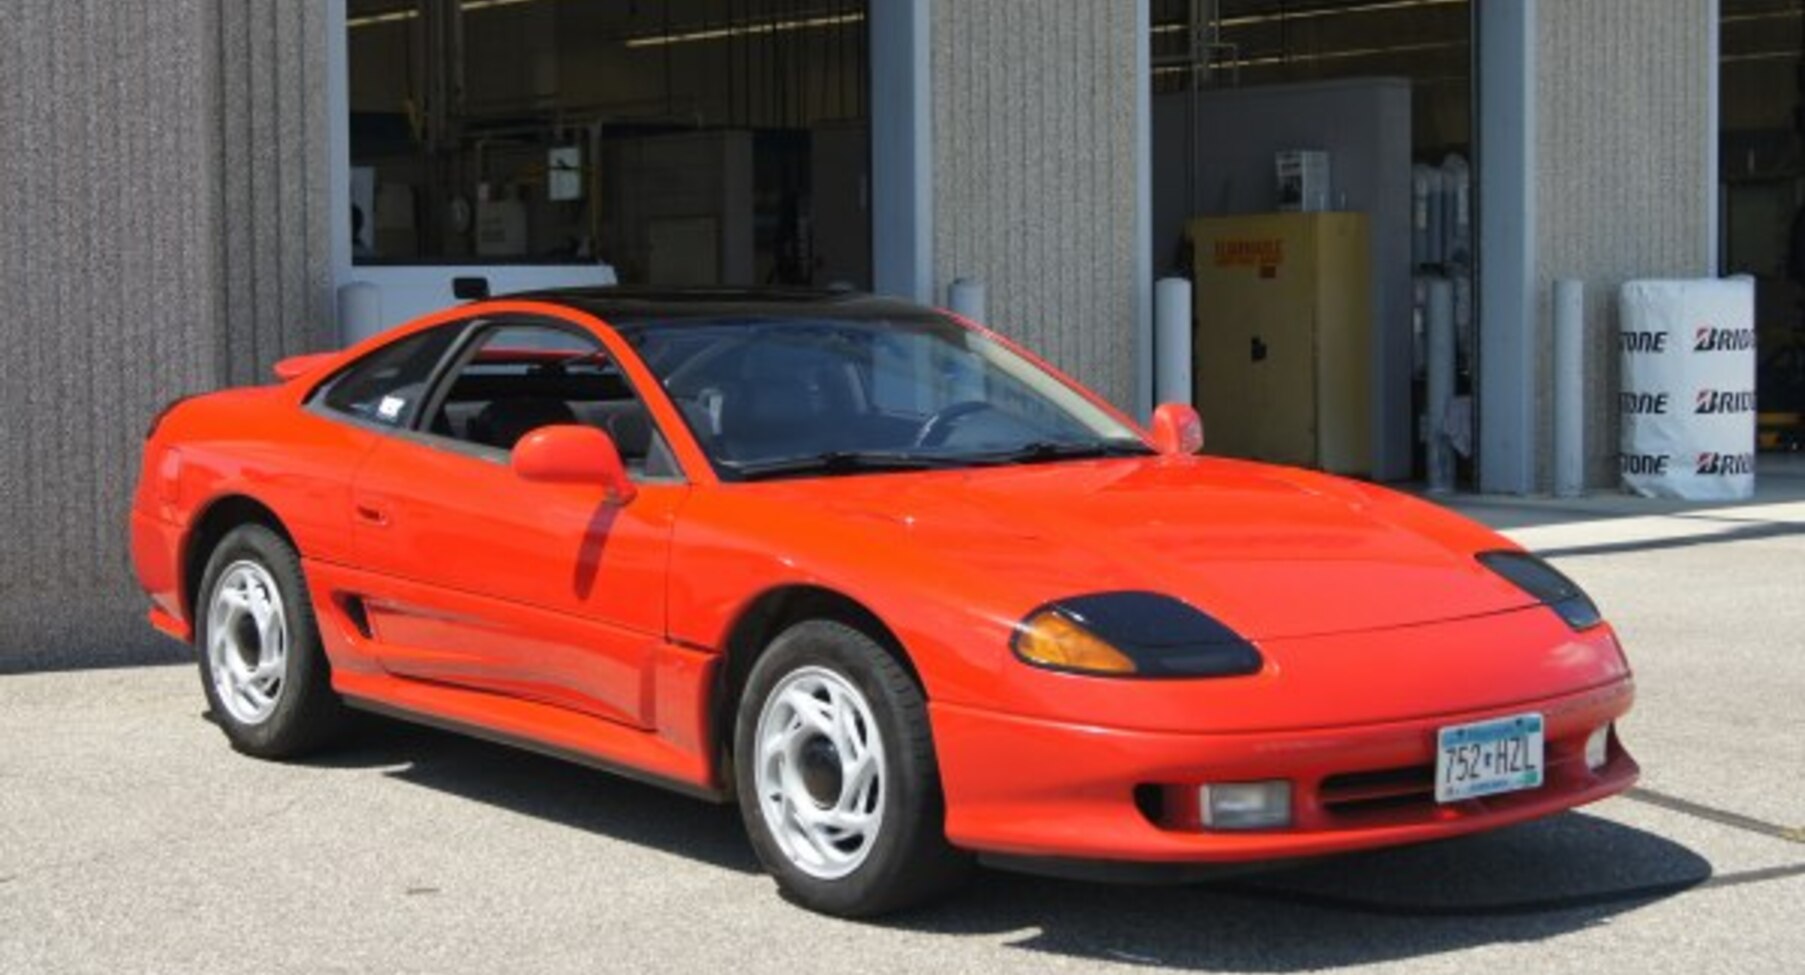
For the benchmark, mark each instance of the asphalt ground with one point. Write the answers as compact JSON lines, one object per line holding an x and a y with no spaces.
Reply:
{"x":133,"y":840}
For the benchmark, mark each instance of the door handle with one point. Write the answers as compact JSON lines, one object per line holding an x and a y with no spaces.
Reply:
{"x":372,"y":514}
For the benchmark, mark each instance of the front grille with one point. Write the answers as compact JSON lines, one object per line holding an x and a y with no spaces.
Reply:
{"x":1354,"y":793}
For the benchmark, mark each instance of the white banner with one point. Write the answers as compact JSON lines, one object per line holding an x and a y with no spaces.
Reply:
{"x":1688,"y":399}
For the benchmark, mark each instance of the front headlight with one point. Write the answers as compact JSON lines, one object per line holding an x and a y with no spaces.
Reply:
{"x":1546,"y":584}
{"x":1132,"y":634}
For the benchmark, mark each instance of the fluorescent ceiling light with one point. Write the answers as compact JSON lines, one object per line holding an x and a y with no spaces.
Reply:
{"x":747,"y":29}
{"x":1761,"y":56}
{"x":1248,"y":20}
{"x":410,"y":13}
{"x":1790,"y":12}
{"x":751,"y":28}
{"x":371,"y":20}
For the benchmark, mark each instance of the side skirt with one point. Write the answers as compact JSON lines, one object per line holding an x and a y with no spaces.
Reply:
{"x":546,"y":730}
{"x":709,"y":793}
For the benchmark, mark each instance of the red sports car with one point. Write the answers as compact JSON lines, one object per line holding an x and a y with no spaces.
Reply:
{"x":902,"y":590}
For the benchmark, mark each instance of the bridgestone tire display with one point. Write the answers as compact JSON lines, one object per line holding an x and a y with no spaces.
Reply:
{"x":1688,"y":399}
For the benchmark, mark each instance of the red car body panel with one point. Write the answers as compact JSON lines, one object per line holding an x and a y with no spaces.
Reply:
{"x":542,"y":614}
{"x":1037,"y":788}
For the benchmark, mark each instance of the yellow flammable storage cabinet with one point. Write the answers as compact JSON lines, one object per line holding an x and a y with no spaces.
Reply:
{"x":1282,"y":338}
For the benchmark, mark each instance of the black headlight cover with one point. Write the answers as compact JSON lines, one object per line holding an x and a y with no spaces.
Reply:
{"x":1165,"y":637}
{"x":1546,"y":584}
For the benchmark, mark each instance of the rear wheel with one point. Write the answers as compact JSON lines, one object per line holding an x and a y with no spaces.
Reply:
{"x":836,"y":775}
{"x":262,"y":665}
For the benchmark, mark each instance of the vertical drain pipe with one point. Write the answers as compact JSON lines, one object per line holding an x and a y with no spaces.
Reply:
{"x":1569,"y":388}
{"x":965,"y":298}
{"x":359,"y":311}
{"x":1172,"y":340}
{"x":1441,"y":384}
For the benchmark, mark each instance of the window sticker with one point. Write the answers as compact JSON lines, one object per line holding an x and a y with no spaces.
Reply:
{"x":390,"y":408}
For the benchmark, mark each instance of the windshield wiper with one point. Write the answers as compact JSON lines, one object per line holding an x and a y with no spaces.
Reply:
{"x":1042,"y":451}
{"x":837,"y":462}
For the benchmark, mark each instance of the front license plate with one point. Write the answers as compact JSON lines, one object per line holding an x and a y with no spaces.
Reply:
{"x":1486,"y":758}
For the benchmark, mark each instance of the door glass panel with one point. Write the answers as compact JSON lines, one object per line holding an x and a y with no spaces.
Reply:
{"x":519,"y":378}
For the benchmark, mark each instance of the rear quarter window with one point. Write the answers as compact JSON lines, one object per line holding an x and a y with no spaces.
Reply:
{"x":387,"y":386}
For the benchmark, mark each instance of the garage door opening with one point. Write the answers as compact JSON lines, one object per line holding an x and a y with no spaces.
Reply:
{"x":1762,"y":170}
{"x":1367,"y":108}
{"x":684,"y":142}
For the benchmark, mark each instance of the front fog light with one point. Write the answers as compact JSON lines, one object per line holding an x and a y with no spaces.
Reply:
{"x":1246,"y":805}
{"x":1598,"y":748}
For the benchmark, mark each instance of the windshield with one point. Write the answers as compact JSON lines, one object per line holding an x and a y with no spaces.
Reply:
{"x":796,"y":397}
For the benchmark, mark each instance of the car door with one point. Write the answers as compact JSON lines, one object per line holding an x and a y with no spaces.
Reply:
{"x":545,"y":592}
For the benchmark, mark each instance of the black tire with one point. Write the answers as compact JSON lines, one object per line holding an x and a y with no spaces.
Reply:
{"x":909,"y":861}
{"x":307,"y":714}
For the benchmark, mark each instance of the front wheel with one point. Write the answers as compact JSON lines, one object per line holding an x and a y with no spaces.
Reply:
{"x":836,"y":776}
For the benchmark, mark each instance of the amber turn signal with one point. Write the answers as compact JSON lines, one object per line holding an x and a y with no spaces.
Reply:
{"x":1048,"y":639}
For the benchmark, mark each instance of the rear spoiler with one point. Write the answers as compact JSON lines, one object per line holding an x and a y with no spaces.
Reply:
{"x":296,"y":366}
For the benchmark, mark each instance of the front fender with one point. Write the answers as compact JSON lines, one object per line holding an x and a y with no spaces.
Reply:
{"x":731,"y":548}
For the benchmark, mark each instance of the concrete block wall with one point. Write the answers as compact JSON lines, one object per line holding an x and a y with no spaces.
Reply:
{"x":1035,"y":174}
{"x":1625,"y":141}
{"x":272,"y":184}
{"x":162,"y":168}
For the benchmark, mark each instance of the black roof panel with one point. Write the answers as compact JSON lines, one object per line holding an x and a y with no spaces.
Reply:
{"x":624,"y":305}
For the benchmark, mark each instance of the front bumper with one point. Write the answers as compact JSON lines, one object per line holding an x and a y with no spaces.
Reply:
{"x":1035,"y":788}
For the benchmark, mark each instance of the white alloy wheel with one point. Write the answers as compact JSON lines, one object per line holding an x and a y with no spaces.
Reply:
{"x":247,"y":642}
{"x":819,"y":772}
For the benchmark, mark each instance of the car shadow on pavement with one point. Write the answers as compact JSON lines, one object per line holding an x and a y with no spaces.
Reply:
{"x":547,"y":788}
{"x":58,"y":653}
{"x":1522,"y":884}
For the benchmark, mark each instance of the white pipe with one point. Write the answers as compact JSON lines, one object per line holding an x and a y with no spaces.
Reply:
{"x":1441,"y":384}
{"x":359,"y":311}
{"x":1419,"y":215}
{"x":1457,"y":211}
{"x":1569,"y":388}
{"x":1172,"y":340}
{"x":1438,"y":216}
{"x":965,"y":297}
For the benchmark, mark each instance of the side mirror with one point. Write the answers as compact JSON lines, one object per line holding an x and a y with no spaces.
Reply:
{"x":1177,"y":430}
{"x":571,"y":454}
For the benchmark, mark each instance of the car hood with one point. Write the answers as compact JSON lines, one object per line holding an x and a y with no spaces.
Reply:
{"x":1272,"y":552}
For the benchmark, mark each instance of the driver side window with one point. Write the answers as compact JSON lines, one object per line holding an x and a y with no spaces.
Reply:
{"x":515,"y":379}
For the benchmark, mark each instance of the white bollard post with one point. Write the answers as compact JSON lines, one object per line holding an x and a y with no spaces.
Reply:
{"x":1569,"y":388}
{"x":965,"y":297}
{"x":359,"y":311}
{"x":1440,"y":383}
{"x":1172,"y":341}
